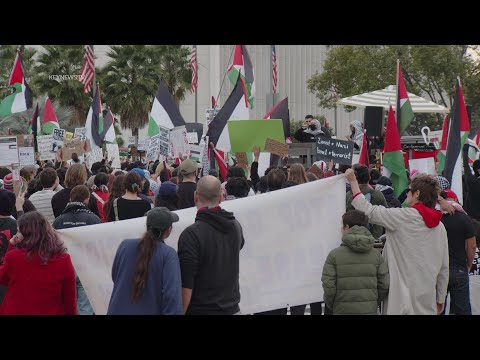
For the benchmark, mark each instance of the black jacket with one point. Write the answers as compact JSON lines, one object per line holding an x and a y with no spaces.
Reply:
{"x":62,"y":198}
{"x":209,"y":253}
{"x":392,"y":201}
{"x":75,"y":214}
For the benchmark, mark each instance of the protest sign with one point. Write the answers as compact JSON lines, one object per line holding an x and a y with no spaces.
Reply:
{"x":26,"y":156}
{"x":132,"y":141}
{"x":141,"y":144}
{"x":153,"y":148}
{"x":275,"y":271}
{"x":195,"y":151}
{"x":8,"y":150}
{"x":276,"y":147}
{"x":81,"y":133}
{"x":179,"y":142}
{"x":246,"y":134}
{"x":71,"y":146}
{"x":68,"y":135}
{"x":164,"y":141}
{"x":192,"y":138}
{"x":113,"y":155}
{"x":94,"y":155}
{"x":204,"y":149}
{"x":425,"y":165}
{"x":338,"y":151}
{"x":45,"y":147}
{"x":58,"y":138}
{"x":25,"y":140}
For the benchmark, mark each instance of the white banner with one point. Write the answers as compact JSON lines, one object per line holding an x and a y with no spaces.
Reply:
{"x":26,"y":156}
{"x":179,"y":142}
{"x":45,"y":147}
{"x":113,"y":155}
{"x":288,"y":235}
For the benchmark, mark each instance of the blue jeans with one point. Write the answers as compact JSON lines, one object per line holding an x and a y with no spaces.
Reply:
{"x":459,"y":289}
{"x":83,"y":304}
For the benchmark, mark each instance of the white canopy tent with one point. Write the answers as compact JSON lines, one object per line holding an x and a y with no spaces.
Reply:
{"x":387,"y":96}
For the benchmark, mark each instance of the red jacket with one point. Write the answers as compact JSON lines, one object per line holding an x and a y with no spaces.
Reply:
{"x":36,"y":289}
{"x":104,"y":197}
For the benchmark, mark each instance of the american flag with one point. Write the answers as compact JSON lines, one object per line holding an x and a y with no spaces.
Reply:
{"x":194,"y":66}
{"x":274,"y":70}
{"x":88,"y":70}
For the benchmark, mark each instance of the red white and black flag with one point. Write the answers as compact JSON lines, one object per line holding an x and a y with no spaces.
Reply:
{"x":88,"y":70}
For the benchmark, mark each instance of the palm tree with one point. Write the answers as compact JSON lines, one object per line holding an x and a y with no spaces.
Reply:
{"x":7,"y":58}
{"x":19,"y":123}
{"x":63,"y":60}
{"x":129,"y":82}
{"x":175,"y":69}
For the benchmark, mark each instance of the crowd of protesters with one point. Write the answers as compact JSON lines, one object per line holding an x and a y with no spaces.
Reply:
{"x":381,"y":265}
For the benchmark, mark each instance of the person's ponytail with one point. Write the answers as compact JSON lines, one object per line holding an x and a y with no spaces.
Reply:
{"x":146,"y":249}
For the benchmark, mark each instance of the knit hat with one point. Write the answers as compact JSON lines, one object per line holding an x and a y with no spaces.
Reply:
{"x":444,"y":184}
{"x":160,"y":218}
{"x":8,"y":183}
{"x":7,"y":202}
{"x":188,"y":166}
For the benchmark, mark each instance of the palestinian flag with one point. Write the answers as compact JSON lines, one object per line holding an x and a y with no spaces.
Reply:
{"x":35,"y":127}
{"x":457,"y":136}
{"x":233,"y":109}
{"x":281,"y":111}
{"x":393,"y":162}
{"x":109,"y":122}
{"x":364,"y":157}
{"x":443,"y":146}
{"x":222,"y":165}
{"x":50,"y":120}
{"x":404,"y":108}
{"x":164,"y":112}
{"x":22,"y":98}
{"x":242,"y":65}
{"x":95,"y":123}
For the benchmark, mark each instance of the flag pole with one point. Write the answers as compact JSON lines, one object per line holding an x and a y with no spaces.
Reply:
{"x":272,"y":48}
{"x":94,"y":72}
{"x":397,"y":101}
{"x":196,"y":90}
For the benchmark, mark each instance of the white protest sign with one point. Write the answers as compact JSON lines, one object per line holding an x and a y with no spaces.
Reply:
{"x":58,"y":138}
{"x":113,"y":155}
{"x":8,"y":150}
{"x":141,"y":144}
{"x":95,"y":155}
{"x":204,"y":148}
{"x":45,"y":147}
{"x":81,"y":133}
{"x":179,"y":142}
{"x":132,"y":141}
{"x":26,"y":156}
{"x":153,"y":148}
{"x":280,"y":264}
{"x":425,"y":165}
{"x":164,"y":143}
{"x":192,"y":138}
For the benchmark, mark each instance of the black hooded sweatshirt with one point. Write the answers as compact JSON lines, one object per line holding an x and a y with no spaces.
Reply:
{"x":209,"y":253}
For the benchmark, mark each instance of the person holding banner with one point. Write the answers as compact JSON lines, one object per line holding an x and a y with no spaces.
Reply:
{"x":416,"y":249}
{"x":146,"y":272}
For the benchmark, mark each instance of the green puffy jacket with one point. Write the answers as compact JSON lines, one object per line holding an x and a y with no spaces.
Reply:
{"x":355,"y":277}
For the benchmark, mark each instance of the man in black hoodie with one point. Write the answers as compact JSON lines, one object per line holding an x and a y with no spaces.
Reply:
{"x":77,"y":214}
{"x":209,"y":253}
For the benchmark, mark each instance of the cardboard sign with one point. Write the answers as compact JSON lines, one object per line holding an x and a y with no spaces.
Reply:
{"x":81,"y":133}
{"x":71,"y":146}
{"x":276,"y":147}
{"x":242,"y":160}
{"x":8,"y":150}
{"x":246,"y":134}
{"x":338,"y":151}
{"x":26,"y":156}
